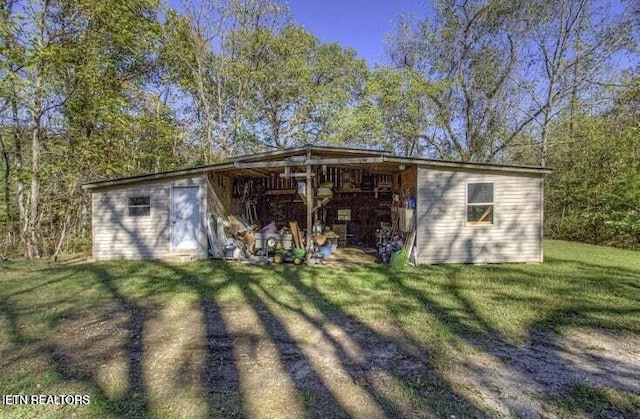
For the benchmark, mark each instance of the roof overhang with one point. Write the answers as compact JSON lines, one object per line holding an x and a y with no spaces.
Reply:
{"x":445,"y":164}
{"x":263,"y":164}
{"x":315,"y":151}
{"x":155,"y":176}
{"x":387,"y":161}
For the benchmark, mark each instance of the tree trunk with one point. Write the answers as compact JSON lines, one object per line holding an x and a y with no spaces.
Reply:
{"x":20,"y":189}
{"x":34,"y":193}
{"x":546,"y":112}
{"x":204,"y":99}
{"x":36,"y":144}
{"x":543,"y":139}
{"x":6,"y":160}
{"x":63,"y":236}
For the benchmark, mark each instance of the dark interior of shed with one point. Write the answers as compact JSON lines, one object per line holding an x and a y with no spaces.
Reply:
{"x":359,"y":203}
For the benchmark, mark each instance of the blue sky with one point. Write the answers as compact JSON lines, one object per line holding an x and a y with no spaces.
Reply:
{"x":364,"y":24}
{"x":359,"y":24}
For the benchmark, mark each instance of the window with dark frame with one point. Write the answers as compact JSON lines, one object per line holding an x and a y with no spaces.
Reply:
{"x":480,"y":203}
{"x":139,"y":206}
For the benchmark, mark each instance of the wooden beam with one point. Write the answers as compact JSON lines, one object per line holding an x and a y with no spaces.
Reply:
{"x":467,"y":165}
{"x":352,"y":151}
{"x":397,"y":160}
{"x":280,"y":192}
{"x":257,"y":172}
{"x":346,"y":160}
{"x":310,"y":149}
{"x":322,"y":203}
{"x":310,"y":162}
{"x":309,"y":211}
{"x":267,"y":164}
{"x":267,"y":154}
{"x":295,"y":175}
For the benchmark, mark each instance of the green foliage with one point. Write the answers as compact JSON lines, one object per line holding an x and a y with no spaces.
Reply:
{"x":400,"y":98}
{"x":400,"y":260}
{"x":467,"y":54}
{"x":98,"y":113}
{"x":507,"y":69}
{"x":582,"y":400}
{"x":300,"y":90}
{"x":594,"y":193}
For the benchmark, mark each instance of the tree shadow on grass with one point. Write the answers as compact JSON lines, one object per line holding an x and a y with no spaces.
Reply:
{"x":397,"y":376}
{"x":586,"y":401}
{"x":98,"y":339}
{"x":394,"y":379}
{"x":333,"y":359}
{"x":70,"y":365}
{"x":218,"y":376}
{"x":294,"y":361}
{"x":547,"y":362}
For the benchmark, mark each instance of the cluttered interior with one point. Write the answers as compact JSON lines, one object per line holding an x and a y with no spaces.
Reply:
{"x":264,"y":213}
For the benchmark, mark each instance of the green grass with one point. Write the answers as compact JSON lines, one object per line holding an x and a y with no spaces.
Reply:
{"x":582,"y":400}
{"x":441,"y":310}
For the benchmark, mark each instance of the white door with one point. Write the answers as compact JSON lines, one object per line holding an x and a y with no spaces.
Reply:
{"x":185,"y":213}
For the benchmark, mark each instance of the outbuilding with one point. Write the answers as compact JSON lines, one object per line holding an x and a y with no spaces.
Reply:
{"x":446,"y":211}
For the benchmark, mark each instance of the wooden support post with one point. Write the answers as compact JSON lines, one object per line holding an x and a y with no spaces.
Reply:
{"x":309,"y":210}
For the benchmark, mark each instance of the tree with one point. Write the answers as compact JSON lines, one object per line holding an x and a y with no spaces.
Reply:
{"x":572,"y":43}
{"x":297,"y":89}
{"x":76,"y":102}
{"x":468,"y":53}
{"x":501,"y":72}
{"x":254,"y":80}
{"x":37,"y":105}
{"x":405,"y":112}
{"x":11,"y":138}
{"x":201,"y":62}
{"x":593,"y":194}
{"x":114,"y":122}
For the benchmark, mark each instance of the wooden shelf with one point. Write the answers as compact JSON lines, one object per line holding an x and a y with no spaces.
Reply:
{"x":280,"y":192}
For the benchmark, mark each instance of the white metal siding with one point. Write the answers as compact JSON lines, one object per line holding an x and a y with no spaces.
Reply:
{"x":116,"y":235}
{"x":443,"y":235}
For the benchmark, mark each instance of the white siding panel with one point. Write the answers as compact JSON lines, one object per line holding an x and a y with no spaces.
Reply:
{"x":444,"y":235}
{"x":116,"y":235}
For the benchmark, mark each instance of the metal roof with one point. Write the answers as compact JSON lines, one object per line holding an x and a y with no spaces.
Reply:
{"x":320,"y":155}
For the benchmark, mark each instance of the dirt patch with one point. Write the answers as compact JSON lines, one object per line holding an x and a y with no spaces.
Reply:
{"x":521,"y":380}
{"x":350,"y":256}
{"x":102,"y":346}
{"x":269,"y":359}
{"x":256,"y":360}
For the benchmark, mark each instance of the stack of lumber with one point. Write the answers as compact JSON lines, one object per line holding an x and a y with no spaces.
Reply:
{"x":410,"y":240}
{"x":298,"y":240}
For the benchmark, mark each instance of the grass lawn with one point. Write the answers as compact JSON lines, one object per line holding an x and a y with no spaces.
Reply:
{"x":155,"y":339}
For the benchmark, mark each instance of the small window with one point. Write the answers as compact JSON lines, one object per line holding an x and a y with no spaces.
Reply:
{"x":480,"y":203}
{"x":139,"y":206}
